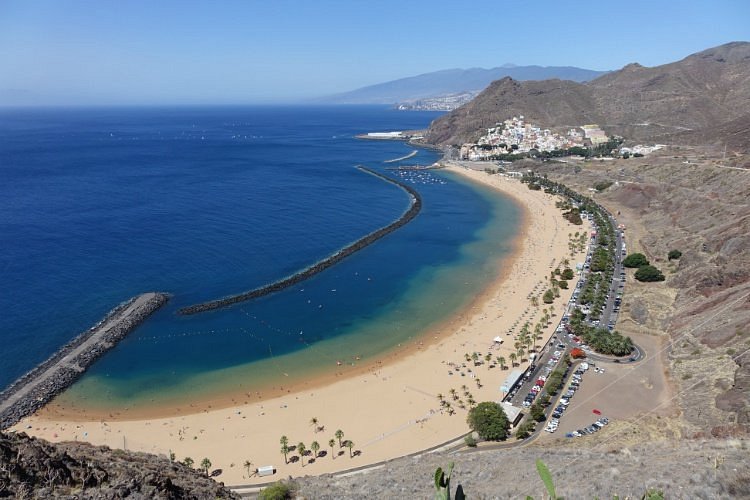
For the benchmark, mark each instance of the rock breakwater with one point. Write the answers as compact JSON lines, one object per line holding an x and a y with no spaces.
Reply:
{"x":37,"y":387}
{"x":405,"y":218}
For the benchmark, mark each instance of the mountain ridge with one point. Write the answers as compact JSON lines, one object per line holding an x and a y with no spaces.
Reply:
{"x":452,"y":81}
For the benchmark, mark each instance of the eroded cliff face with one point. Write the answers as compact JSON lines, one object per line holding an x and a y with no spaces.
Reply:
{"x":682,"y":199}
{"x":33,"y":468}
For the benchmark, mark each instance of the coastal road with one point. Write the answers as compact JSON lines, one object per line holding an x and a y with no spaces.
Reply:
{"x":94,"y":340}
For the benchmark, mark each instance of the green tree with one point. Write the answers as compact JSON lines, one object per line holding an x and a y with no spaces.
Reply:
{"x":332,"y":443}
{"x":314,"y":423}
{"x":635,"y":260}
{"x":513,"y":357}
{"x":315,"y":447}
{"x":188,"y":461}
{"x":205,"y":465}
{"x":537,"y":412}
{"x":648,"y":273}
{"x":350,"y":444}
{"x":301,"y":450}
{"x":339,"y":434}
{"x":548,"y":297}
{"x":247,"y":466}
{"x":674,"y":254}
{"x":488,"y":419}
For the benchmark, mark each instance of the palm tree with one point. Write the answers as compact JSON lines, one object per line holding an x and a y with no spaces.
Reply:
{"x":339,"y":434}
{"x":471,"y":401}
{"x":453,"y":394}
{"x":479,"y":383}
{"x":314,"y":446}
{"x":284,"y":447}
{"x":520,"y":352}
{"x":314,"y":423}
{"x":467,"y":357}
{"x":350,"y":445}
{"x":475,"y":358}
{"x":188,"y":461}
{"x":332,"y":443}
{"x":513,"y":357}
{"x":205,"y":465}
{"x":501,"y":362}
{"x":301,"y":450}
{"x":487,"y":358}
{"x":247,"y":465}
{"x":464,"y":388}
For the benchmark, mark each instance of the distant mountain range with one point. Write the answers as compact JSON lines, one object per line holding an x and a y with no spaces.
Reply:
{"x":453,"y":81}
{"x":701,"y":99}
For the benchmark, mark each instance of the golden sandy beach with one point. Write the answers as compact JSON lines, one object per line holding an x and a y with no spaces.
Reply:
{"x":387,"y":410}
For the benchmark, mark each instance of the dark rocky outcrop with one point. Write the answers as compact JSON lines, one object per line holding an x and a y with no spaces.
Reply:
{"x":32,"y":468}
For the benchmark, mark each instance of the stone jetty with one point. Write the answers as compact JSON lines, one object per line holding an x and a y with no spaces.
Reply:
{"x":406,"y":217}
{"x":50,"y":378}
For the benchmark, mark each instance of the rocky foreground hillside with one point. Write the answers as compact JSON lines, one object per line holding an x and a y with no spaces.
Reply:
{"x":32,"y":468}
{"x":689,"y":470}
{"x":700,"y":100}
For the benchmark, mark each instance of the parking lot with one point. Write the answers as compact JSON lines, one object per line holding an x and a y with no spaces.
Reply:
{"x":620,"y":392}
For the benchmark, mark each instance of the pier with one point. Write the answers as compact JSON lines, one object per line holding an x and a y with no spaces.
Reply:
{"x":406,"y":217}
{"x":37,"y":387}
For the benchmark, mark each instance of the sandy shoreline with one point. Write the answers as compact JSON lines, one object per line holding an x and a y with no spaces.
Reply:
{"x":388,"y":408}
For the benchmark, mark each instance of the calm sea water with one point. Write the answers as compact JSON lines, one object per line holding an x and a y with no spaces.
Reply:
{"x":97,"y":205}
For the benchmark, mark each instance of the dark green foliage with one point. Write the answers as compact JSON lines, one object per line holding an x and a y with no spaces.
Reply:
{"x":548,"y":297}
{"x":470,"y":441}
{"x":537,"y":412}
{"x":635,"y":260}
{"x":488,"y":419}
{"x":674,"y":254}
{"x":603,"y":341}
{"x":648,"y":273}
{"x":568,"y":274}
{"x":525,"y":429}
{"x":534,"y":187}
{"x":563,"y":284}
{"x":277,"y":491}
{"x":601,"y":186}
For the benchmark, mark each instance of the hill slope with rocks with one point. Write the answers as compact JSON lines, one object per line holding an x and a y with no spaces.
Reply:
{"x":33,"y":468}
{"x":701,"y":99}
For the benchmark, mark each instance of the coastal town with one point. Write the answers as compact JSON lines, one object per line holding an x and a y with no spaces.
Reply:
{"x":518,"y":137}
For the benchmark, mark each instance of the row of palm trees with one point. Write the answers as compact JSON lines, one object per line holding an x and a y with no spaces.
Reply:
{"x":301,"y":448}
{"x":470,"y":401}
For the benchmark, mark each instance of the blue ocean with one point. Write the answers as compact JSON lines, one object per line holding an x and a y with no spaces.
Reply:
{"x":100,"y":204}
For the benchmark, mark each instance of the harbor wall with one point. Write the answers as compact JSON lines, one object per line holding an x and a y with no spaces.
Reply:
{"x":48,"y":379}
{"x":405,"y":218}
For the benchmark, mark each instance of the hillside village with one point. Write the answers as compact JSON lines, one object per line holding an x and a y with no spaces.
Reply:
{"x":516,"y":136}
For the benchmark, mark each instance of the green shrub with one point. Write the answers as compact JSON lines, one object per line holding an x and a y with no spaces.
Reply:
{"x":470,"y":441}
{"x":635,"y":260}
{"x":648,"y":273}
{"x":601,"y":186}
{"x":277,"y":491}
{"x":674,"y":254}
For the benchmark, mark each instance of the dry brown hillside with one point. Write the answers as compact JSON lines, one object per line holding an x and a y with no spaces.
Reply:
{"x":702,"y":99}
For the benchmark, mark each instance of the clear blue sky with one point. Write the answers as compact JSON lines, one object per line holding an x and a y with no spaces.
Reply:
{"x":151,"y":52}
